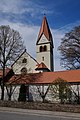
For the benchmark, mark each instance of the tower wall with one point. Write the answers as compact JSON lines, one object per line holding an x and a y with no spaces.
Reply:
{"x":45,"y":56}
{"x":44,"y":45}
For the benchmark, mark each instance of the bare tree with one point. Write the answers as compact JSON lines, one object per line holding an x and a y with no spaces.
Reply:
{"x":11,"y":46}
{"x":70,"y":49}
{"x":76,"y":93}
{"x":10,"y":91}
{"x":42,"y":91}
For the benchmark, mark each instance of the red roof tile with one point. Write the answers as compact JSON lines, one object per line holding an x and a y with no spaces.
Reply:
{"x":72,"y":76}
{"x":41,"y":66}
{"x":1,"y":72}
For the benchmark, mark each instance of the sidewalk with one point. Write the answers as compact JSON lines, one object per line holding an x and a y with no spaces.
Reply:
{"x":39,"y":112}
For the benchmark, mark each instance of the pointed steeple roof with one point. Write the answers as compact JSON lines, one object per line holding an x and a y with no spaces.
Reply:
{"x":45,"y":30}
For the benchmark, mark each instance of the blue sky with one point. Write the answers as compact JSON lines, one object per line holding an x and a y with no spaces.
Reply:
{"x":26,"y":16}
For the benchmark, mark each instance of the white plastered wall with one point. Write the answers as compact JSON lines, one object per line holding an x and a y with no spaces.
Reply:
{"x":30,"y":65}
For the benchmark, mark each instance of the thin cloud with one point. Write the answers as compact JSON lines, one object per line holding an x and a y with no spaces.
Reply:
{"x":68,"y":27}
{"x":10,"y":6}
{"x":21,"y":7}
{"x":22,"y":11}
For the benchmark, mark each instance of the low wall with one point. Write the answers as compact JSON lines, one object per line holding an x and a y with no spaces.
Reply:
{"x":41,"y":106}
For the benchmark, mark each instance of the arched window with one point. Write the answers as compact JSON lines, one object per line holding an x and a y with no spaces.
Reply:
{"x":41,"y":49}
{"x":24,"y":60}
{"x":23,"y":70}
{"x":45,"y":48}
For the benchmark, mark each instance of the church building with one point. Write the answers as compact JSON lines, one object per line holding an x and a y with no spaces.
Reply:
{"x":44,"y":54}
{"x":37,"y":74}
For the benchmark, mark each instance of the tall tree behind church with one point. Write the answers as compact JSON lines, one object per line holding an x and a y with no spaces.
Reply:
{"x":70,"y":49}
{"x":11,"y":46}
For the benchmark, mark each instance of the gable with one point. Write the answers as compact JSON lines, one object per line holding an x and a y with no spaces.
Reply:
{"x":43,"y":39}
{"x":24,"y":61}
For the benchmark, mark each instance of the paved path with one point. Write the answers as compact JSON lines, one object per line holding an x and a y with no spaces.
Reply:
{"x":23,"y":114}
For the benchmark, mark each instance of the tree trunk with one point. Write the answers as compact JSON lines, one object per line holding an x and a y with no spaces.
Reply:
{"x":43,"y":98}
{"x":2,"y":84}
{"x":9,"y":97}
{"x":2,"y":94}
{"x":78,"y":97}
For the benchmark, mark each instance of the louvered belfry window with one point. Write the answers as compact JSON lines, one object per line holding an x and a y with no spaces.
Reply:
{"x":45,"y":48}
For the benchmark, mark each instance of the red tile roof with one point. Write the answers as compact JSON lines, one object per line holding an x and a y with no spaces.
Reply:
{"x":0,"y":72}
{"x":45,"y":29}
{"x":41,"y":66}
{"x":72,"y":76}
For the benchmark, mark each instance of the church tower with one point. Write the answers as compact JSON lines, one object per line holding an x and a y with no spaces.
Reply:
{"x":44,"y":45}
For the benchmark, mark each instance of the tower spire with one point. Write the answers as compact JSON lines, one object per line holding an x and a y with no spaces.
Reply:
{"x":45,"y":30}
{"x":45,"y":45}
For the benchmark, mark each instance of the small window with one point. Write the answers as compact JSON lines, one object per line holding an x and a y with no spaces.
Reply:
{"x":24,"y":60}
{"x":41,"y":49}
{"x":45,"y":48}
{"x":23,"y":70}
{"x":42,"y":58}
